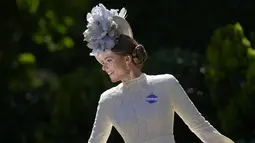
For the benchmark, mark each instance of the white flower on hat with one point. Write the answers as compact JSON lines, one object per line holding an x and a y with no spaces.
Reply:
{"x":102,"y":30}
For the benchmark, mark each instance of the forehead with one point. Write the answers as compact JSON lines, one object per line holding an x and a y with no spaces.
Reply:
{"x":104,"y":55}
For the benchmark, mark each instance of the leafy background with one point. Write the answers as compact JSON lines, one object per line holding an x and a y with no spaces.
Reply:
{"x":50,"y":86}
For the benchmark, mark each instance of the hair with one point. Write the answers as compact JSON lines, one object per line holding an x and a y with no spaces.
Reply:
{"x":129,"y":46}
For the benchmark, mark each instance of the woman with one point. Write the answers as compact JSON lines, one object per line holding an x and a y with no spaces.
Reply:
{"x":142,"y":106}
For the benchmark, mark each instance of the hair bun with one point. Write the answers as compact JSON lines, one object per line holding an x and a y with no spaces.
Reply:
{"x":139,"y":55}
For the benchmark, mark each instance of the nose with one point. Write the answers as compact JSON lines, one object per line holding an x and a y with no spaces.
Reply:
{"x":103,"y":67}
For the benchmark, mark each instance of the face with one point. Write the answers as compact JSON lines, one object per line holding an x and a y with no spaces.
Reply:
{"x":114,"y":65}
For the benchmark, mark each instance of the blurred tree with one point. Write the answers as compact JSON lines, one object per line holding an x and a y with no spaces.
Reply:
{"x":230,"y":77}
{"x":49,"y":86}
{"x":38,"y":102}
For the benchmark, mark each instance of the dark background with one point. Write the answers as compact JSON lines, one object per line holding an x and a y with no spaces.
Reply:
{"x":50,"y":86}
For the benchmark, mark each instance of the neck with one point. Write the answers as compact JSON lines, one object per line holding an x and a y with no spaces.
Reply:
{"x":132,"y":75}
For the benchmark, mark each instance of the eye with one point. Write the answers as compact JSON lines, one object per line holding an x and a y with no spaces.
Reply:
{"x":109,"y":60}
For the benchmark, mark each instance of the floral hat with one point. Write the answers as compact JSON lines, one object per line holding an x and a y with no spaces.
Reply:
{"x":105,"y":27}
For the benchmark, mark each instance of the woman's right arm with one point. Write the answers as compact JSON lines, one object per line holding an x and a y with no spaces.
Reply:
{"x":102,"y":125}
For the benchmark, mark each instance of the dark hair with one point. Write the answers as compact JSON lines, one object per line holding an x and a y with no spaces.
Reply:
{"x":129,"y":46}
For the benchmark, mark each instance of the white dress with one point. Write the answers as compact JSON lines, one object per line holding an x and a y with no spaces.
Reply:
{"x":126,"y":108}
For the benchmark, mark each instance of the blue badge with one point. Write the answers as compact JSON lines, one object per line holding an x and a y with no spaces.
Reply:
{"x":152,"y":98}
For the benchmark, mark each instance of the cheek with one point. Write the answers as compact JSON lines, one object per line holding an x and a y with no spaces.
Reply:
{"x":120,"y":68}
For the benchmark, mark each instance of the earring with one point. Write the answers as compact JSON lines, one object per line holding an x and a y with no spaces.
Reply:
{"x":127,"y":67}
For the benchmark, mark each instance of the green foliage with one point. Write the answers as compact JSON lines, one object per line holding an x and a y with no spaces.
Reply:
{"x":50,"y":86}
{"x":50,"y":25}
{"x":26,"y":58}
{"x":38,"y":103}
{"x":230,"y":78}
{"x":31,"y":5}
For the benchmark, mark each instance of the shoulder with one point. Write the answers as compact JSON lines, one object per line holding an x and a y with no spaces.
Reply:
{"x":162,"y":78}
{"x":107,"y":95}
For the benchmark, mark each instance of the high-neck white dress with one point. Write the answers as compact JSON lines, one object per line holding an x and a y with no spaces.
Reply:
{"x":127,"y":108}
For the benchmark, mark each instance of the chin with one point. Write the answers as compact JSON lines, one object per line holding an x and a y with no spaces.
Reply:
{"x":113,"y":80}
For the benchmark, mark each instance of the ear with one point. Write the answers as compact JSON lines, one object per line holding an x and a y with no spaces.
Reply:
{"x":128,"y":59}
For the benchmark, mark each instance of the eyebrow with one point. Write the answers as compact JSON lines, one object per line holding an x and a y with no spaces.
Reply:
{"x":107,"y":57}
{"x":101,"y":62}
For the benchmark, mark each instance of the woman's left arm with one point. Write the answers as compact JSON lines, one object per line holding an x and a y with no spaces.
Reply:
{"x":185,"y":108}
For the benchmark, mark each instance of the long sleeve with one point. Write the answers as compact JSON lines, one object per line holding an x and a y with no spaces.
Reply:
{"x":185,"y":108}
{"x":102,"y":125}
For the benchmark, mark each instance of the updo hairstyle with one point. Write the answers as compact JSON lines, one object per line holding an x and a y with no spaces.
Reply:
{"x":128,"y":46}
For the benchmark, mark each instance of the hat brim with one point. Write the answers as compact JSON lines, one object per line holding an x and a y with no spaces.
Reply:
{"x":123,"y":26}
